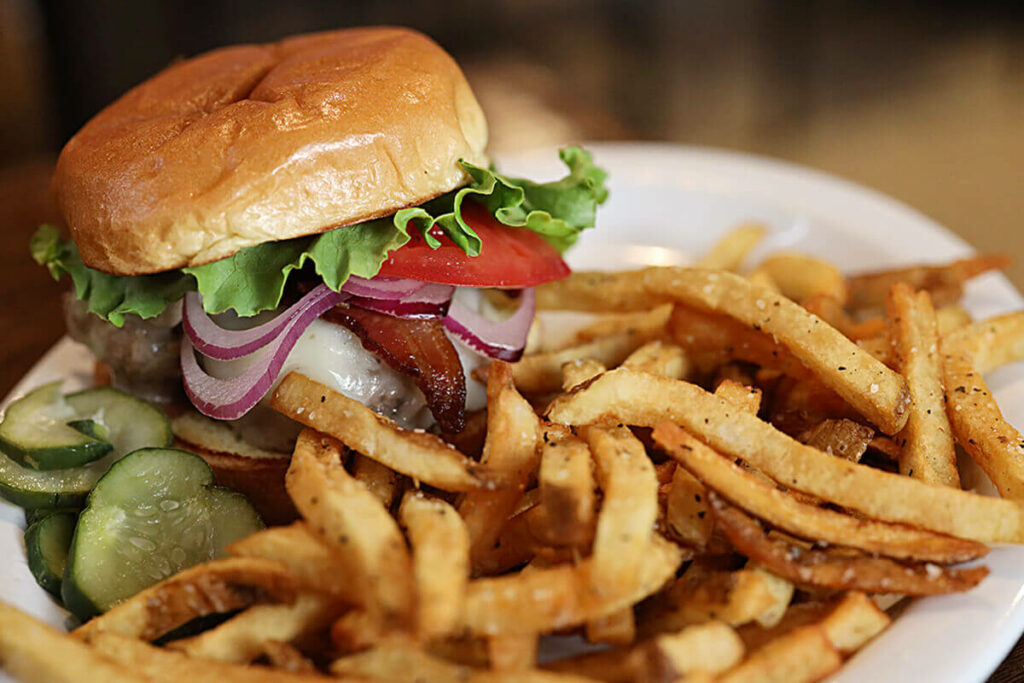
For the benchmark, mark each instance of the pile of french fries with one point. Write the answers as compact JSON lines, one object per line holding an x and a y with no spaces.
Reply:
{"x":724,"y":477}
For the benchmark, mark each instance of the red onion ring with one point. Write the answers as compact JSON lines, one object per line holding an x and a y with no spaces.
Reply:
{"x":229,"y":399}
{"x":381,"y":287}
{"x":214,"y":341}
{"x":503,"y":340}
{"x":430,"y":301}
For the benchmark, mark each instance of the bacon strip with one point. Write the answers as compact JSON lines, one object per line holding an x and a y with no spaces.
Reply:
{"x":418,"y":348}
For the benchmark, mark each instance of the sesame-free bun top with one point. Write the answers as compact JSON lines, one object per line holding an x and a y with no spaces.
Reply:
{"x":258,"y":143}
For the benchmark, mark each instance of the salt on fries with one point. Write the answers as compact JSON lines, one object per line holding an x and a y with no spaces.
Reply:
{"x":734,"y":535}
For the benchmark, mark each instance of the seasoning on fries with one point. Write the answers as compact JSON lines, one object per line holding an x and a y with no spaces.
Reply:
{"x":710,"y":479}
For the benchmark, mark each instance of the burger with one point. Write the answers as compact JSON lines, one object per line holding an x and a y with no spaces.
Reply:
{"x":323,"y":204}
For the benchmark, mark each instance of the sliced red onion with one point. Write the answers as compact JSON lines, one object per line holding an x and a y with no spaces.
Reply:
{"x":381,"y":287}
{"x":229,"y":399}
{"x":503,"y":340}
{"x":212,"y":340}
{"x":430,"y":301}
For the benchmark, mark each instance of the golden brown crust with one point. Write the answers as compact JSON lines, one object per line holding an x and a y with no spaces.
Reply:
{"x":256,"y":143}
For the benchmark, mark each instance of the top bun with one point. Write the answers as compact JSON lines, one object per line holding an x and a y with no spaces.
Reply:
{"x":258,"y":143}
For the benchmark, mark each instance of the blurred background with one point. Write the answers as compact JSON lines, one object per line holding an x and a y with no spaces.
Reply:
{"x":921,"y":100}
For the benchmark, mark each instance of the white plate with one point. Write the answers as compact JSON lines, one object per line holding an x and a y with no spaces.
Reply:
{"x":668,"y":202}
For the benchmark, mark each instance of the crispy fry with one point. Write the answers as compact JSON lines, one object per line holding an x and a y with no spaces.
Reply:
{"x":928,"y":452}
{"x":873,"y":389}
{"x":659,"y":358}
{"x":510,"y":452}
{"x":34,"y":652}
{"x":741,"y":396}
{"x":559,"y":597}
{"x":424,"y":457}
{"x":578,"y":371}
{"x":566,"y":484}
{"x":800,"y":277}
{"x":807,"y":521}
{"x":831,"y":310}
{"x":803,"y":655}
{"x":211,"y":588}
{"x":977,"y":422}
{"x":512,"y":653}
{"x":703,"y":594}
{"x":854,"y":621}
{"x":345,"y":514}
{"x":838,"y":571}
{"x":686,"y":510}
{"x":625,"y":523}
{"x":159,"y":665}
{"x":440,"y":553}
{"x":644,"y":322}
{"x":711,"y":648}
{"x":542,"y":372}
{"x":618,"y":628}
{"x":242,"y":638}
{"x":311,"y":562}
{"x":950,"y":318}
{"x":401,"y":664}
{"x":729,"y":252}
{"x":645,"y":400}
{"x":380,"y":480}
{"x":842,"y":438}
{"x":870,"y":289}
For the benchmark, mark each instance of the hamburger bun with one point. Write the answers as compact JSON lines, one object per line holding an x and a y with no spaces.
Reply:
{"x":258,"y":143}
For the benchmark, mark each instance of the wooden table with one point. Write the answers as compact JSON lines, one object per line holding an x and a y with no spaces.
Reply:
{"x":31,"y":319}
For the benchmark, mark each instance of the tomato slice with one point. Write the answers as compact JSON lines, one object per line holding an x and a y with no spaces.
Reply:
{"x":509,"y":257}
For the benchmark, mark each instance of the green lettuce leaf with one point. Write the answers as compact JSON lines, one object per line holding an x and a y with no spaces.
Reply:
{"x":253,"y":280}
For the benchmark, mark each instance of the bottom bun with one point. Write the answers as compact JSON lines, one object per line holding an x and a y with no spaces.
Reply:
{"x":254,"y":472}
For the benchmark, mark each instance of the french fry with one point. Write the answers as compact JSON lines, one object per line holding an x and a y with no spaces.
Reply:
{"x":950,"y":318}
{"x":927,"y":440}
{"x":510,"y":453}
{"x":854,"y":621}
{"x":686,"y":510}
{"x":869,"y":290}
{"x":210,"y":588}
{"x":803,"y":655}
{"x":380,"y":480}
{"x":158,"y":665}
{"x":659,"y":358}
{"x":841,"y":438}
{"x":419,"y":455}
{"x":345,"y":514}
{"x":618,"y":628}
{"x":542,"y":372}
{"x":837,"y":571}
{"x":404,"y":664}
{"x":800,"y":277}
{"x":621,"y":396}
{"x":729,"y":252}
{"x":559,"y":597}
{"x":512,"y":653}
{"x":869,"y":386}
{"x":34,"y":652}
{"x":286,"y":657}
{"x":781,"y":590}
{"x":311,"y":562}
{"x":650,"y":323}
{"x":977,"y":422}
{"x":566,"y":484}
{"x":625,"y":523}
{"x":781,"y":510}
{"x":440,"y":553}
{"x":761,"y":278}
{"x":242,"y":638}
{"x":710,"y":648}
{"x":832,"y":311}
{"x":578,"y":371}
{"x":741,"y":396}
{"x":703,"y":594}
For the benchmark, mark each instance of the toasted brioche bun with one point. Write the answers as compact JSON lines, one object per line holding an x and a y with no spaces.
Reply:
{"x":254,"y":472}
{"x":258,"y":143}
